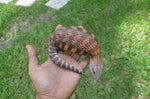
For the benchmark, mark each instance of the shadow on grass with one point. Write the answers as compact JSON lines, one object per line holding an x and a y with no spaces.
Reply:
{"x":105,"y":18}
{"x":120,"y":67}
{"x":120,"y":71}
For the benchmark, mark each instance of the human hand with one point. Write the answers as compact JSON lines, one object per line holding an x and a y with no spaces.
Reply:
{"x":52,"y":81}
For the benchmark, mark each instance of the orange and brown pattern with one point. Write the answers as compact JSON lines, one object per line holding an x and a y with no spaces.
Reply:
{"x":75,"y":40}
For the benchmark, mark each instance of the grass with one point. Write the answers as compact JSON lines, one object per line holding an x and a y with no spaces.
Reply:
{"x":121,"y":26}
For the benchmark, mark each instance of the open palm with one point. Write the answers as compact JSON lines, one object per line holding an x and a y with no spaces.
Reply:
{"x":51,"y":80}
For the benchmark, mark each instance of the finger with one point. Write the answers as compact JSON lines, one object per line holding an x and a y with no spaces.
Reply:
{"x":76,"y":56}
{"x":81,"y":27}
{"x":84,"y":62}
{"x":33,"y":60}
{"x":58,"y":26}
{"x":68,"y":53}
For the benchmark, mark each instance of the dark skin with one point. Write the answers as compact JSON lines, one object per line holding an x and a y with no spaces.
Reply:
{"x":51,"y":81}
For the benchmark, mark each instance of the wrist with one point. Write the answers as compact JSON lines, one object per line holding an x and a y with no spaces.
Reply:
{"x":45,"y":97}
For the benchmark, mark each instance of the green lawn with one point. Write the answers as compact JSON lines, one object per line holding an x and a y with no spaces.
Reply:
{"x":121,"y":26}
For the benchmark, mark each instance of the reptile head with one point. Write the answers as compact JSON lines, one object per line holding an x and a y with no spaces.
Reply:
{"x":96,"y":67}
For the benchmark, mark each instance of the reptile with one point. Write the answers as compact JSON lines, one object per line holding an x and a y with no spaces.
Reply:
{"x":75,"y":40}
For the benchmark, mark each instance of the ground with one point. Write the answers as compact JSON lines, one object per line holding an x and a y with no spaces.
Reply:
{"x":121,"y":27}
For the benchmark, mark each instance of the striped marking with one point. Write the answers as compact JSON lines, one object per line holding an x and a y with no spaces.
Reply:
{"x":66,"y":38}
{"x":62,"y":63}
{"x":67,"y":65}
{"x":76,"y":40}
{"x":56,"y":40}
{"x":82,"y":51}
{"x":60,"y":44}
{"x":69,"y":30}
{"x":73,"y":50}
{"x":51,"y":51}
{"x":84,"y":31}
{"x":52,"y":54}
{"x":74,"y":69}
{"x":56,"y":56}
{"x":70,"y":67}
{"x":82,"y":35}
{"x":74,"y":43}
{"x":97,"y":47}
{"x":91,"y":46}
{"x":51,"y":47}
{"x":88,"y":34}
{"x":58,"y":60}
{"x":66,"y":47}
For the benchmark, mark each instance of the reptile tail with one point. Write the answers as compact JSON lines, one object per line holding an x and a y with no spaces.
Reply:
{"x":96,"y":67}
{"x":59,"y":61}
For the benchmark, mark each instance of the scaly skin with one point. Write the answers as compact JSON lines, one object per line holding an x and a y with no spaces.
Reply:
{"x":75,"y":40}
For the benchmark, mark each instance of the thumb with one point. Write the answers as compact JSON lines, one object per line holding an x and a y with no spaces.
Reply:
{"x":33,"y":60}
